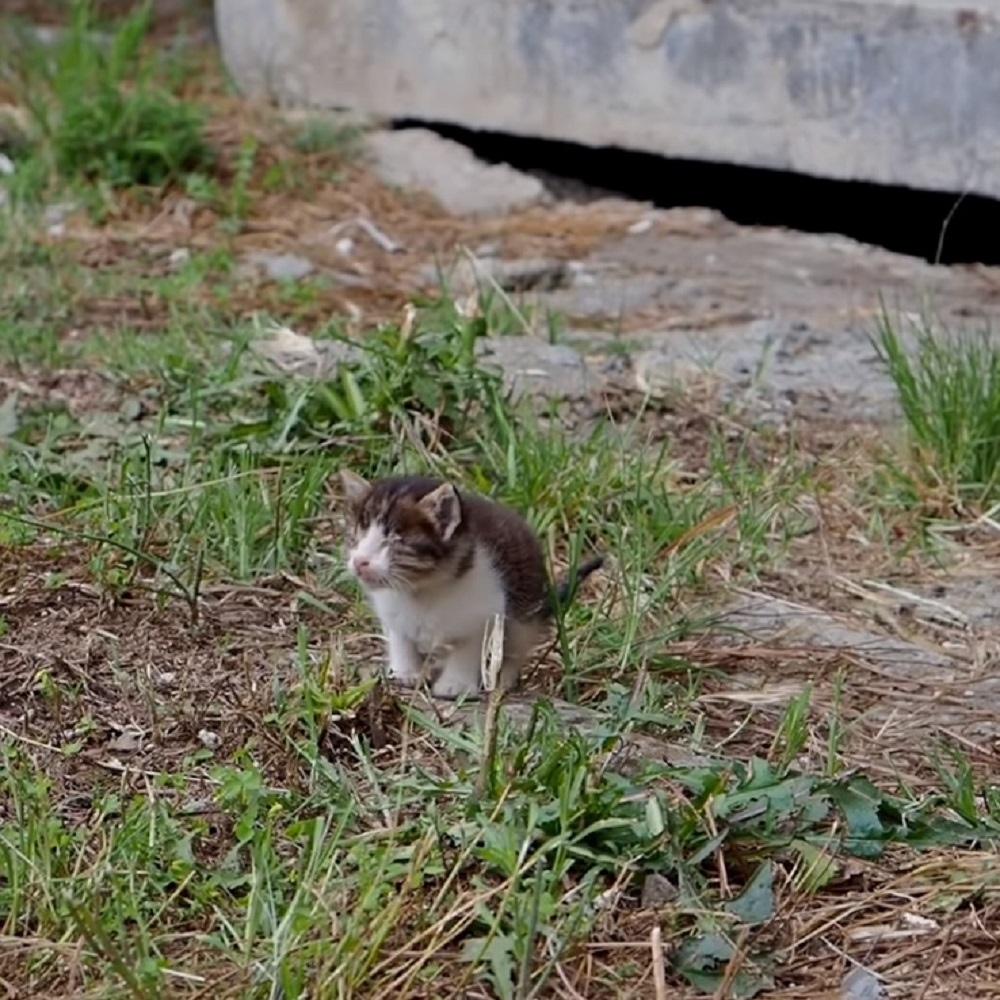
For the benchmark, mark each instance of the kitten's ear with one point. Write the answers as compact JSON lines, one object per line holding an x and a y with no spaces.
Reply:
{"x":356,"y":489}
{"x":444,"y":510}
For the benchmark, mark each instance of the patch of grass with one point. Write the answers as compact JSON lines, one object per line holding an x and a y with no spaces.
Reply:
{"x":38,"y":284}
{"x":96,"y":117}
{"x":222,"y":472}
{"x":315,"y":852}
{"x":377,"y":872}
{"x":949,"y":391}
{"x":325,"y":135}
{"x":203,"y":789}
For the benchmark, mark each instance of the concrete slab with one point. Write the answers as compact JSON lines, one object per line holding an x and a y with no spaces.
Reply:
{"x":879,"y":90}
{"x":418,"y":158}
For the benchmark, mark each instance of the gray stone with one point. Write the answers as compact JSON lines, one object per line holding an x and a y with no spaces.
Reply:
{"x":572,"y":288}
{"x":942,"y":686}
{"x":534,"y":367}
{"x":338,"y":120}
{"x":769,"y":319}
{"x":860,"y":984}
{"x":715,"y":275}
{"x":764,"y":316}
{"x":514,"y":276}
{"x":963,"y":599}
{"x":778,"y":362}
{"x":760,"y":616}
{"x":56,"y":216}
{"x":284,"y":350}
{"x":278,"y":266}
{"x":657,"y":890}
{"x":772,"y":361}
{"x":892,"y":92}
{"x":604,"y":293}
{"x":464,"y":185}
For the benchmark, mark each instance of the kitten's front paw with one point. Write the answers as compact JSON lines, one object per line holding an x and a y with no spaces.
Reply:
{"x":452,"y":688}
{"x":408,"y":681}
{"x":405,"y":667}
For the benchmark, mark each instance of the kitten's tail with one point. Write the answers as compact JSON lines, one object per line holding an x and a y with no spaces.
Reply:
{"x":565,"y":589}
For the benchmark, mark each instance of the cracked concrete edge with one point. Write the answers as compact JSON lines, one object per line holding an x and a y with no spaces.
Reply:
{"x":888,"y":92}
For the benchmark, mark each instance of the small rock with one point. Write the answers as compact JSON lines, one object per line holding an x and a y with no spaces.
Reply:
{"x":608,"y":900}
{"x":179,"y":257}
{"x":296,"y":354}
{"x":198,"y":807}
{"x":344,"y":246}
{"x":209,"y":739}
{"x":860,"y":984}
{"x":6,"y":165}
{"x":617,"y":364}
{"x":514,"y":276}
{"x":657,"y":890}
{"x":662,"y":374}
{"x":165,"y":679}
{"x":532,"y":366}
{"x":289,"y":351}
{"x":279,"y":266}
{"x":579,"y":274}
{"x":127,"y":741}
{"x":464,"y":185}
{"x":606,"y":293}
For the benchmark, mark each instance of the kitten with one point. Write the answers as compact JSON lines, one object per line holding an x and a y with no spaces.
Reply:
{"x":436,"y":566}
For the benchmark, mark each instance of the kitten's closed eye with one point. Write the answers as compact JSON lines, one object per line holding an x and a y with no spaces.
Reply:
{"x":425,"y":547}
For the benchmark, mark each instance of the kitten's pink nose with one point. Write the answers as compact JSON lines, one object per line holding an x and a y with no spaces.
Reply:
{"x":362,"y":566}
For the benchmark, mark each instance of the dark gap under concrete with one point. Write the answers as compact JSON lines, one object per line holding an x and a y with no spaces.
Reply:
{"x":901,"y":219}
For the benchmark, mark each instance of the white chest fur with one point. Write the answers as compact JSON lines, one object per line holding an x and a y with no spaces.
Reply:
{"x":456,"y":611}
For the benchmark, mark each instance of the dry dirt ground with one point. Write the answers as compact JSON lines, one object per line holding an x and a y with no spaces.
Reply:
{"x":898,"y":645}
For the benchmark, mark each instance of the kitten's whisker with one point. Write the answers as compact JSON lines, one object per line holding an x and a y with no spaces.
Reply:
{"x":397,"y":581}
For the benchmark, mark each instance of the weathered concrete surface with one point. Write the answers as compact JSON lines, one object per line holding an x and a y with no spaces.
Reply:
{"x":778,"y":321}
{"x":464,"y":185}
{"x":880,"y":90}
{"x":947,"y":682}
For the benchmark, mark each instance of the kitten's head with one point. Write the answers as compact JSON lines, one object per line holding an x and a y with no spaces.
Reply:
{"x":403,"y":531}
